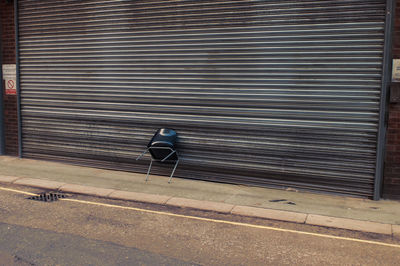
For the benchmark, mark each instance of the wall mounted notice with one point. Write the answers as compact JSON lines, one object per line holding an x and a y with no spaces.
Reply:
{"x":10,"y":77}
{"x":396,"y":70}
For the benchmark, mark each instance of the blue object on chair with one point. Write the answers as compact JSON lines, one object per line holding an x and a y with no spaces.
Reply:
{"x":162,"y":148}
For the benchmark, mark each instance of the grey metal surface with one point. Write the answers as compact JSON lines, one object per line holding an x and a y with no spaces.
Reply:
{"x":18,"y":85}
{"x":2,"y":128}
{"x":271,"y":93}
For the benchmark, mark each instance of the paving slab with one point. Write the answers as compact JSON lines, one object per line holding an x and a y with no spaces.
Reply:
{"x":270,"y":214}
{"x":137,"y":196}
{"x":8,"y":179}
{"x":40,"y":183}
{"x":200,"y":204}
{"x":88,"y":190}
{"x":350,"y":224}
{"x":396,"y":231}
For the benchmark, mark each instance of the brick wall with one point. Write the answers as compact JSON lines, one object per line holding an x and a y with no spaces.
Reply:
{"x":392,"y":162}
{"x":8,"y":52}
{"x":391,"y":184}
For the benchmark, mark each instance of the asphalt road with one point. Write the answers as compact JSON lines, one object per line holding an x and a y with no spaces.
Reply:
{"x":90,"y":232}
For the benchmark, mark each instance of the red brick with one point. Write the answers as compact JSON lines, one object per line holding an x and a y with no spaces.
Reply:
{"x":8,"y":52}
{"x":392,"y":158}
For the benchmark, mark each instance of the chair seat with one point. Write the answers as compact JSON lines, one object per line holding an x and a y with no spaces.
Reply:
{"x":162,"y":149}
{"x":162,"y":144}
{"x":159,"y":154}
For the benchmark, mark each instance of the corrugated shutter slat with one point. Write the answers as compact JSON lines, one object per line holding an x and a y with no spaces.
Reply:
{"x":270,"y":93}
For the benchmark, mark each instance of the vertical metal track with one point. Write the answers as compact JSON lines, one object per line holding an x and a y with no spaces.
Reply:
{"x":2,"y":132}
{"x":19,"y":117}
{"x":386,"y":77}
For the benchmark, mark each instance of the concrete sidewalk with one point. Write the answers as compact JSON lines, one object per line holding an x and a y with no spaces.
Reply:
{"x":314,"y":209}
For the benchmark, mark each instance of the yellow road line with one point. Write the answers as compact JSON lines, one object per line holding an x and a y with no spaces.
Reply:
{"x":18,"y":191}
{"x":216,"y":220}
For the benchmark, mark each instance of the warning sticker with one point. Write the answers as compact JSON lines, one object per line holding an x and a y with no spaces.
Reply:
{"x":9,"y":77}
{"x":10,"y":86}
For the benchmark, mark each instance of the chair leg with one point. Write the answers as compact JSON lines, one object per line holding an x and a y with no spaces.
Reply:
{"x":173,"y":171}
{"x":148,"y":170}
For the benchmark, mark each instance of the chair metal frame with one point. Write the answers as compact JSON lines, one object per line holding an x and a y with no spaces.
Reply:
{"x":158,"y":160}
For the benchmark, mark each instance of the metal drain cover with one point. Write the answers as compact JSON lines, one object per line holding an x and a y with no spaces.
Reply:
{"x":51,"y":196}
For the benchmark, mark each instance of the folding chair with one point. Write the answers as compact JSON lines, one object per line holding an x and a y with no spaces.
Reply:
{"x":162,"y":149}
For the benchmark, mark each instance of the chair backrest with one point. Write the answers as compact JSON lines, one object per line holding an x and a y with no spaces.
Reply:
{"x":162,"y":144}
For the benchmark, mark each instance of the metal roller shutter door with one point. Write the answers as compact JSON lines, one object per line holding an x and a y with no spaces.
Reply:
{"x":270,"y":93}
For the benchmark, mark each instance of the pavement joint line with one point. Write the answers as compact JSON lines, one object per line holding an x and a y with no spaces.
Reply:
{"x":108,"y":195}
{"x":166,"y":202}
{"x":349,"y":224}
{"x":15,"y":178}
{"x":219,"y":207}
{"x":218,"y":221}
{"x":39,"y":183}
{"x":280,"y":215}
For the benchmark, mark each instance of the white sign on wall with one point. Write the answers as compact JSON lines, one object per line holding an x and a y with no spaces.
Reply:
{"x":396,"y":70}
{"x":10,"y":77}
{"x":9,"y":70}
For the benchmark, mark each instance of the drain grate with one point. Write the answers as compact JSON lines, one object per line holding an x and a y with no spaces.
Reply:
{"x":51,"y":196}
